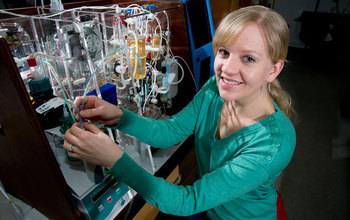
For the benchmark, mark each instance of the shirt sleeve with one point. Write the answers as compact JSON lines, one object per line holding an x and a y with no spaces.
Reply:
{"x":236,"y":177}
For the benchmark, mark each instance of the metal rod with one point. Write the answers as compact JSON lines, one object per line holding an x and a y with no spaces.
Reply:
{"x":166,"y":9}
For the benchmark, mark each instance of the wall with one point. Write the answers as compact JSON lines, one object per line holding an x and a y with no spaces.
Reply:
{"x":291,"y":10}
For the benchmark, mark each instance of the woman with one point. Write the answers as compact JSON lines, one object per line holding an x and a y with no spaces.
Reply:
{"x":243,"y":138}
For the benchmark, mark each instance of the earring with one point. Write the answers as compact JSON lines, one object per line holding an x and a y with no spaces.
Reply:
{"x":268,"y":87}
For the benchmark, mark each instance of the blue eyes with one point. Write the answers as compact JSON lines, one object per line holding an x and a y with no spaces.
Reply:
{"x":247,"y":59}
{"x":224,"y":52}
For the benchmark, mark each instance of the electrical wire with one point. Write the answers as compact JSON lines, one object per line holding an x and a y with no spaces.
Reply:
{"x":152,"y":89}
{"x":98,"y":66}
{"x":55,"y":57}
{"x":148,"y":90}
{"x":135,"y":9}
{"x":53,"y":72}
{"x":194,"y":81}
{"x":56,"y":77}
{"x":183,"y":74}
{"x":9,"y":211}
{"x":12,"y":203}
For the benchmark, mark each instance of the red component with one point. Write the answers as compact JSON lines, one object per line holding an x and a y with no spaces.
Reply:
{"x":109,"y":199}
{"x":31,"y":62}
{"x":148,"y":39}
{"x":30,"y":76}
{"x":143,"y":113}
{"x":122,"y":18}
{"x":115,"y":20}
{"x":149,"y":55}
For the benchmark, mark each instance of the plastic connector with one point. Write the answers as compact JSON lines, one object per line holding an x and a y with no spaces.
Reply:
{"x":129,"y":21}
{"x":150,"y":17}
{"x":155,"y":72}
{"x":120,"y":69}
{"x":136,"y":99}
{"x":152,"y":7}
{"x":154,"y":101}
{"x":3,"y":32}
{"x":117,"y":42}
{"x":65,"y":112}
{"x":56,"y":5}
{"x":79,"y":81}
{"x":34,"y":72}
{"x":117,"y":9}
{"x":19,"y":61}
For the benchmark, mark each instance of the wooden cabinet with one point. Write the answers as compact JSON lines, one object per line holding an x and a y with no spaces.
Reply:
{"x":221,"y":8}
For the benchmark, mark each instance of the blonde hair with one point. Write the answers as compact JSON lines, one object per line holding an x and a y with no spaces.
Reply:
{"x":276,"y":33}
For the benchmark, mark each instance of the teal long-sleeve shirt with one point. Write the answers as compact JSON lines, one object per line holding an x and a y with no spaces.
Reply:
{"x":236,"y":174}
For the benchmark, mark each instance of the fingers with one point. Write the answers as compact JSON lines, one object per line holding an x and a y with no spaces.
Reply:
{"x":72,"y":150}
{"x":74,"y":155}
{"x":73,"y":140}
{"x":76,"y":133}
{"x":78,"y":100}
{"x":92,"y":128}
{"x":90,"y":108}
{"x":89,"y":102}
{"x":91,"y":144}
{"x":70,"y":139}
{"x":89,"y":113}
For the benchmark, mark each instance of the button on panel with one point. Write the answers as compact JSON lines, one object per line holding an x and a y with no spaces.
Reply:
{"x":109,"y":199}
{"x":117,"y":191}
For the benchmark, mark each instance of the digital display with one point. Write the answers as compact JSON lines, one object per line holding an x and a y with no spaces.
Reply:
{"x":100,"y":193}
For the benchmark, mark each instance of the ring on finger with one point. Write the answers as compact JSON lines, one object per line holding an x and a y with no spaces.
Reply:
{"x":71,"y":148}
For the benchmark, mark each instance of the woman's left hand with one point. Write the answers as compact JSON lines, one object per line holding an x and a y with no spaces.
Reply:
{"x":91,"y":145}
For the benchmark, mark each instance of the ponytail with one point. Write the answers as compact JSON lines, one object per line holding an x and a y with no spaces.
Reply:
{"x":282,"y":98}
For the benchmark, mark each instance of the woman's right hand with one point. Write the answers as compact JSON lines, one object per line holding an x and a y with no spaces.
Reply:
{"x":98,"y":110}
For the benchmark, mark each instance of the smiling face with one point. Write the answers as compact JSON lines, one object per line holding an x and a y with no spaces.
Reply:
{"x":243,"y":68}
